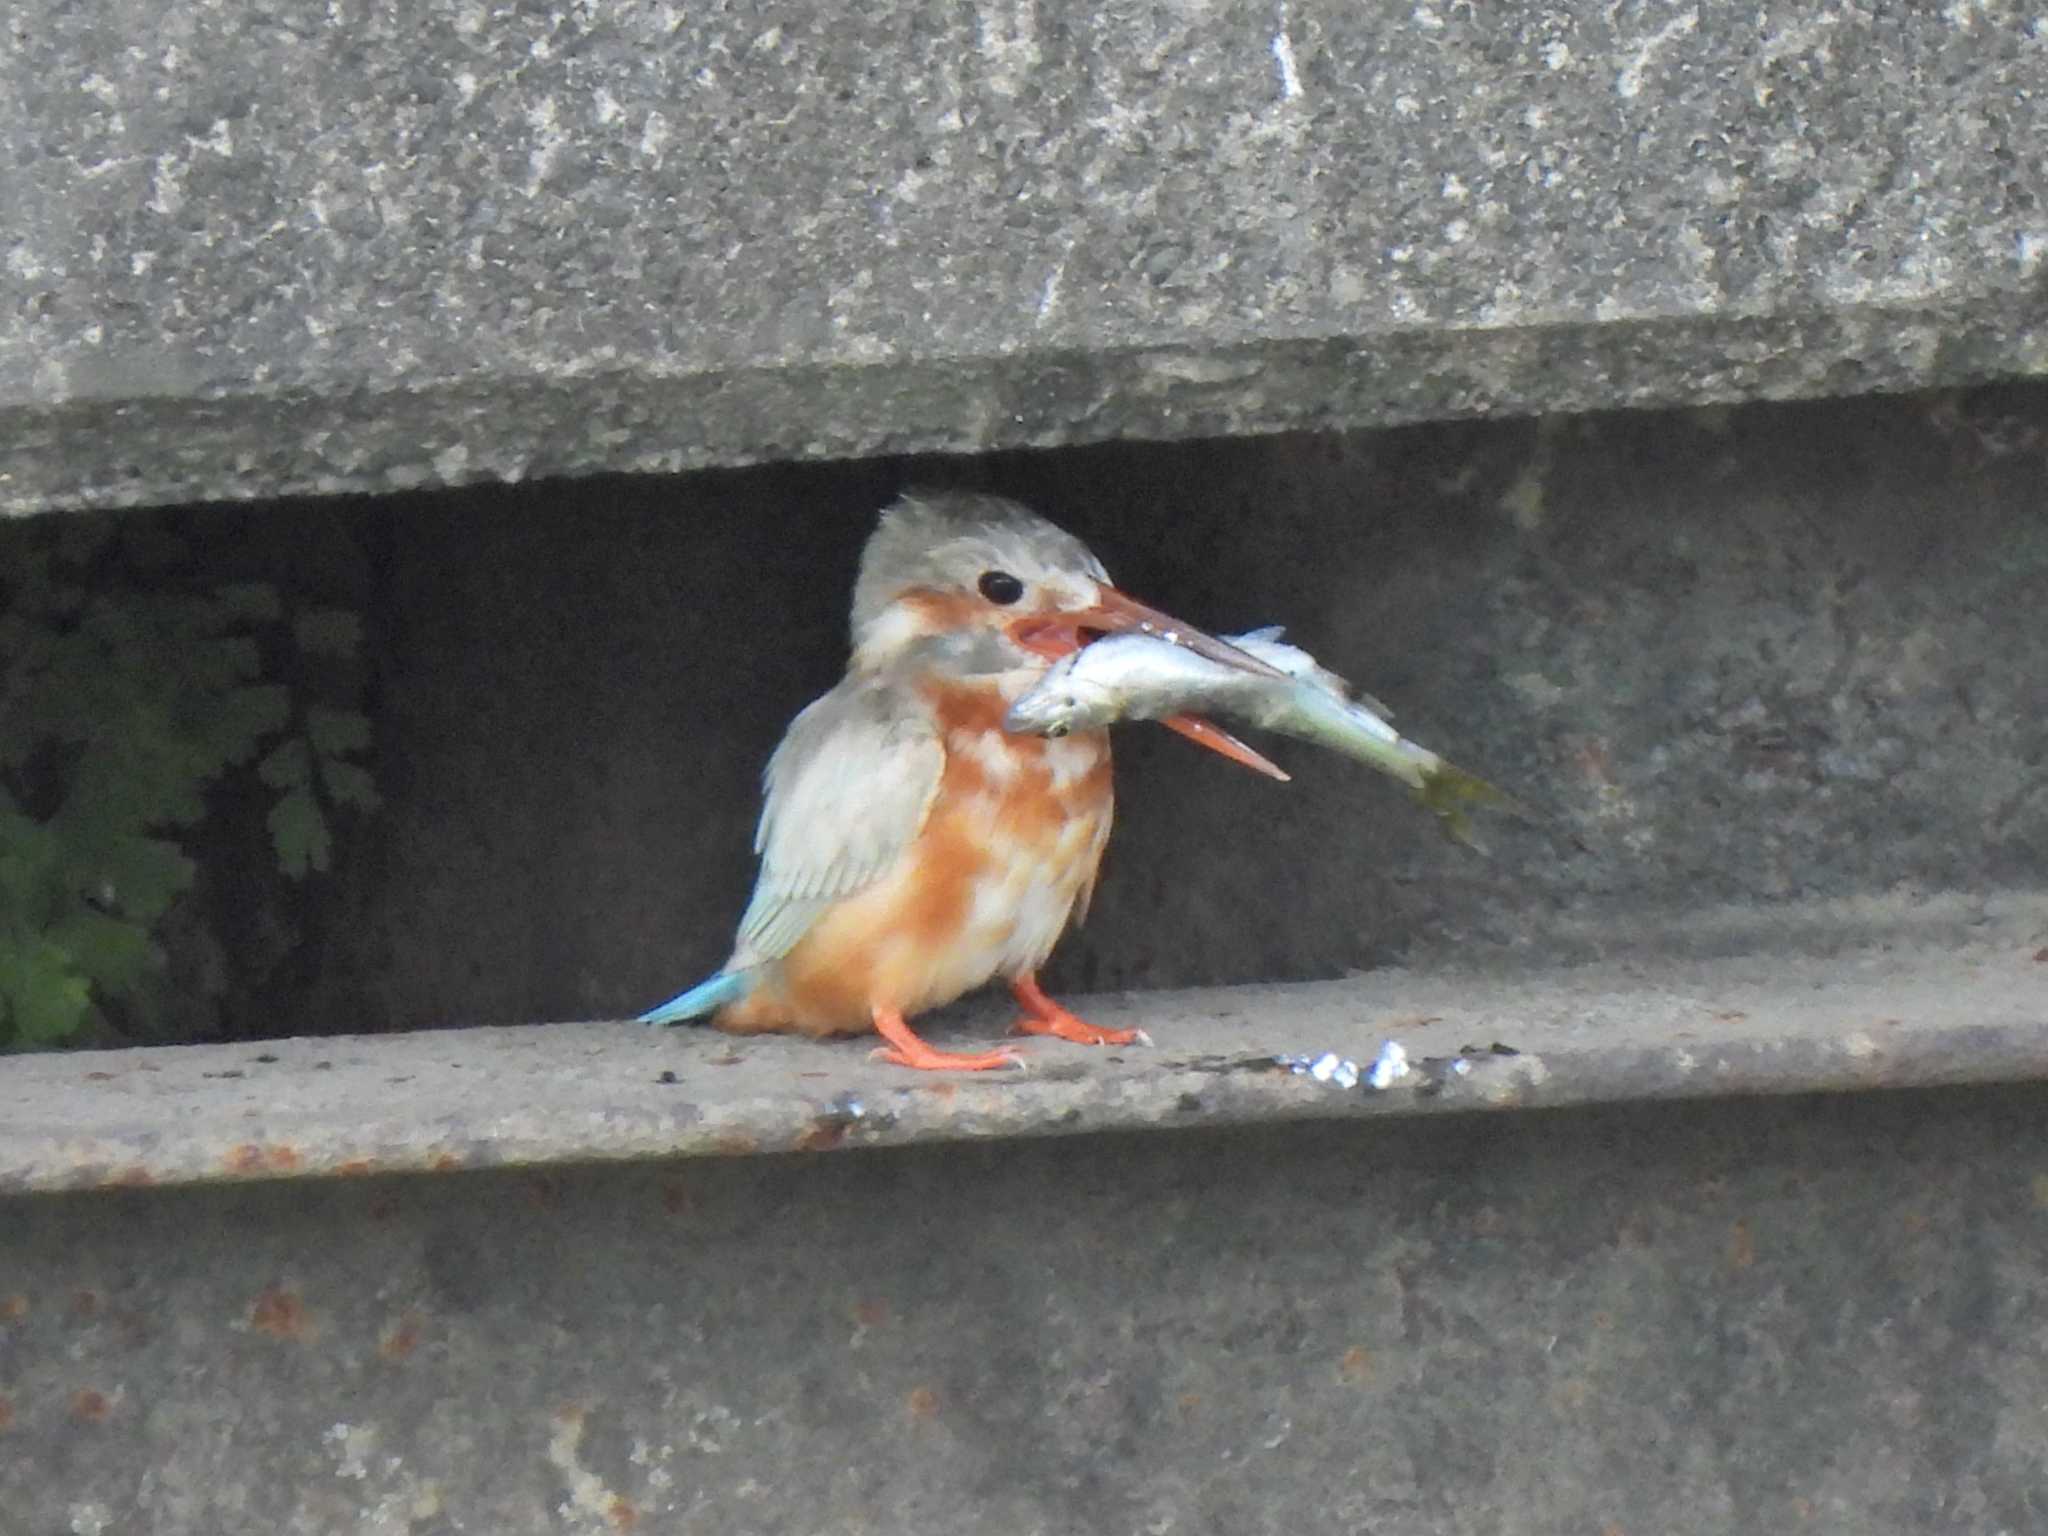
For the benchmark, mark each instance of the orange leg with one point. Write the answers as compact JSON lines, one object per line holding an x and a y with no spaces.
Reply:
{"x":906,"y":1050}
{"x":1043,"y":1016}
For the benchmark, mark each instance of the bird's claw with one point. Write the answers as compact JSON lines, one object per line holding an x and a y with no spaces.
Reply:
{"x":1077,"y":1031}
{"x":1043,"y":1016}
{"x":1002,"y":1058}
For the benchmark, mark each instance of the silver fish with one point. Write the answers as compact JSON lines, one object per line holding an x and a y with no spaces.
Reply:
{"x":1137,"y":677}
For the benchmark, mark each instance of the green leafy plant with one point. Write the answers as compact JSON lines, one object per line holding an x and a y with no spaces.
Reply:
{"x":126,"y":693}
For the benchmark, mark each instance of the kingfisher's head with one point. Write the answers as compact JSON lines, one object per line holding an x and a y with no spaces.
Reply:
{"x":965,"y":585}
{"x":1011,"y":589}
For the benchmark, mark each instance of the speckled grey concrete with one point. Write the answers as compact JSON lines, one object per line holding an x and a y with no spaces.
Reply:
{"x":318,"y":247}
{"x":1825,"y":1316}
{"x":1950,"y":992}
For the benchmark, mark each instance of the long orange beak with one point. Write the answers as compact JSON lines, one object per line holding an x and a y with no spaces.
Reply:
{"x":1060,"y":634}
{"x":1216,"y":739}
{"x":1057,"y":634}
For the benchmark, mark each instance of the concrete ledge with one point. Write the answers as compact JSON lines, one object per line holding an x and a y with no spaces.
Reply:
{"x":1904,"y":1011}
{"x":324,"y":254}
{"x":433,"y":433}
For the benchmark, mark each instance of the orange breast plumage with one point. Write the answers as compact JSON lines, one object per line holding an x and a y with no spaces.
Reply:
{"x":1005,"y":860}
{"x":1036,"y":812}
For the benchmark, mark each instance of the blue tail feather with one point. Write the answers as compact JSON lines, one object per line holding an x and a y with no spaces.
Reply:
{"x":706,"y":996}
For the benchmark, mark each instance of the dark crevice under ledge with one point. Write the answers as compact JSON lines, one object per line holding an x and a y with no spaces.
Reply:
{"x":1944,"y":1002}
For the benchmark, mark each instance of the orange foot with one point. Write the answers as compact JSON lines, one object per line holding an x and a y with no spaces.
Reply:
{"x":1043,"y":1016}
{"x":906,"y":1050}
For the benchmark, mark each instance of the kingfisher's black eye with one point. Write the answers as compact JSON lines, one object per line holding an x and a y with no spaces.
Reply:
{"x":1001,"y":587}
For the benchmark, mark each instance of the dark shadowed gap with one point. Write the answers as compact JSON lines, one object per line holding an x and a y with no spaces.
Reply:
{"x":1743,"y":658}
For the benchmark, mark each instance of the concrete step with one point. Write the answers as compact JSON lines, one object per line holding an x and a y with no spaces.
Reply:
{"x":593,"y":1278}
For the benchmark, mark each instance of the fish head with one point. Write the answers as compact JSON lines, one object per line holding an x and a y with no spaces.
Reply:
{"x":1127,"y":676}
{"x":1061,"y":703}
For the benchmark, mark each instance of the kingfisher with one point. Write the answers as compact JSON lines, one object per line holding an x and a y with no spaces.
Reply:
{"x":910,"y":848}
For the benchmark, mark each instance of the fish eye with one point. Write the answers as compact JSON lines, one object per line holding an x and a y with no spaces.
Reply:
{"x":1000,"y":587}
{"x":1056,"y":731}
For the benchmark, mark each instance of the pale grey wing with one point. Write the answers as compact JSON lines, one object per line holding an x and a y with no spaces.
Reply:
{"x":847,"y":791}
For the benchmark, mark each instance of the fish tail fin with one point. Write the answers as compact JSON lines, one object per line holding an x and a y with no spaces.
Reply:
{"x":706,"y":997}
{"x":1448,"y":793}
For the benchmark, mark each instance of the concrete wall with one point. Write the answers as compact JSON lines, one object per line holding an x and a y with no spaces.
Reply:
{"x":332,"y":246}
{"x":1775,"y":673}
{"x":1815,"y":1316}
